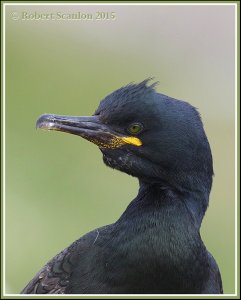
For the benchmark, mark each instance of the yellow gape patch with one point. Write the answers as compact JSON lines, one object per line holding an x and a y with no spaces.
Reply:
{"x":117,"y":141}
{"x":132,"y":140}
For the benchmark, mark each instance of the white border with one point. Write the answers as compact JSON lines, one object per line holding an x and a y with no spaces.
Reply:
{"x":236,"y":151}
{"x":116,"y":4}
{"x":236,"y":145}
{"x":3,"y":106}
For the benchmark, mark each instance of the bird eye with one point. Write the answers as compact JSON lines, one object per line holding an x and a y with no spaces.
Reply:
{"x":135,"y":128}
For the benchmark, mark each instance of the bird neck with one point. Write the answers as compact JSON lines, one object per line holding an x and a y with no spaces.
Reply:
{"x":162,"y":228}
{"x":192,"y":202}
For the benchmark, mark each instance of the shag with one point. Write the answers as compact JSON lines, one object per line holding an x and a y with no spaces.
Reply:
{"x":155,"y":246}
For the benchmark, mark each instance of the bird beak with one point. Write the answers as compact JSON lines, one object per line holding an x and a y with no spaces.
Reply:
{"x":89,"y":128}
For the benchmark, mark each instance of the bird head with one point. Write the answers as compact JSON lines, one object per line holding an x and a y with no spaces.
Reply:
{"x":147,"y":135}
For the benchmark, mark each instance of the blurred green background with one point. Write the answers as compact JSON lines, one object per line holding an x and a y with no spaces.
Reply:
{"x":57,"y":187}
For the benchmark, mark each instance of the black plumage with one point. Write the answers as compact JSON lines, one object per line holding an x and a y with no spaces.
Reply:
{"x":155,"y":246}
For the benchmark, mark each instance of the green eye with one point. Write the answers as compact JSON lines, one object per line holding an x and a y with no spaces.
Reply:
{"x":135,"y":128}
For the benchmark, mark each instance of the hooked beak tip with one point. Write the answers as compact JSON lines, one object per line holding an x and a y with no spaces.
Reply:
{"x":45,"y":121}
